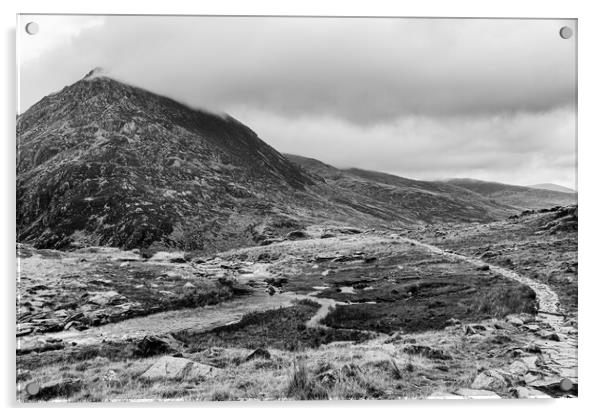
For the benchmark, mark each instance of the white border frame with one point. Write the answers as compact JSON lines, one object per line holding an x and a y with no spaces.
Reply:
{"x":590,"y":68}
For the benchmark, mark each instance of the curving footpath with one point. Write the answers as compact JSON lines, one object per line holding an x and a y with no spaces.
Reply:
{"x":559,"y":357}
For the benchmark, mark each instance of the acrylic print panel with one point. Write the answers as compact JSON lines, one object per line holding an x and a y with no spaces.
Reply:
{"x":231,"y":208}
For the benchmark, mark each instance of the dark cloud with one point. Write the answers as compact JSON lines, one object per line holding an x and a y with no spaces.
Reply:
{"x":412,"y":96}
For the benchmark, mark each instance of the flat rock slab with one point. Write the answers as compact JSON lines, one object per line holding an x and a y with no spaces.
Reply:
{"x":178,"y":368}
{"x":442,"y":395}
{"x":477,"y":394}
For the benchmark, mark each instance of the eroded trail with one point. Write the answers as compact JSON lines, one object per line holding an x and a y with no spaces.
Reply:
{"x":560,"y":357}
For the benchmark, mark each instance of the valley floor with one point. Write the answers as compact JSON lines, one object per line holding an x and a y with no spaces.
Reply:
{"x":349,"y":314}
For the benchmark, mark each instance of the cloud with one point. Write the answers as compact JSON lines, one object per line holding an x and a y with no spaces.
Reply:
{"x":520,"y":148}
{"x":490,"y":95}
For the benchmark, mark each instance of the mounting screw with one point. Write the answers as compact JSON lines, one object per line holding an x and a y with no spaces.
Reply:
{"x":566,"y":32}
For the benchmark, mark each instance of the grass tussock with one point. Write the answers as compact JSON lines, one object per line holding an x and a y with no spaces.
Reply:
{"x":501,"y":301}
{"x":302,"y":386}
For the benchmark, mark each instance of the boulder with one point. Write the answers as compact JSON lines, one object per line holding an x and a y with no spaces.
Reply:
{"x":532,"y":348}
{"x":322,"y":259}
{"x":59,"y":388}
{"x":296,"y":235}
{"x":489,"y":379}
{"x":106,"y":298}
{"x":514,"y":320}
{"x":259,"y":353}
{"x":552,"y":336}
{"x":170,"y":368}
{"x":370,"y":259}
{"x":24,"y":329}
{"x":152,"y":345}
{"x":531,"y":362}
{"x":532,"y":328}
{"x":518,"y":368}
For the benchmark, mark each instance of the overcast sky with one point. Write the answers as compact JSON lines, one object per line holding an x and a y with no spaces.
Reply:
{"x":421,"y":98}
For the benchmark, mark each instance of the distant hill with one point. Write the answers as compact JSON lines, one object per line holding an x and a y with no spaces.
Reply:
{"x":553,"y":187}
{"x":408,"y":200}
{"x":520,"y":197}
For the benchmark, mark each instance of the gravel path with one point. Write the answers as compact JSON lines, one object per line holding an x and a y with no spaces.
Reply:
{"x":558,"y":357}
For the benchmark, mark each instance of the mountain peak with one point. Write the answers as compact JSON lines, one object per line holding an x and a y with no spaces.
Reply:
{"x":95,"y":73}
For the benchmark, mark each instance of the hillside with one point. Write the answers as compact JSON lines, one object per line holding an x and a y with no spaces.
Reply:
{"x":552,"y":187}
{"x":520,"y":197}
{"x":417,"y":201}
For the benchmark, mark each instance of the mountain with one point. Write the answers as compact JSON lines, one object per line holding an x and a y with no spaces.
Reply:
{"x":409,"y":201}
{"x":520,"y":197}
{"x":116,"y":165}
{"x":553,"y":187}
{"x":105,"y":163}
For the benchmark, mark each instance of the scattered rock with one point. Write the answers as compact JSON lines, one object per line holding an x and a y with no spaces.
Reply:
{"x":428,"y":352}
{"x":518,"y":368}
{"x":177,"y":260}
{"x":24,"y":330}
{"x":106,"y":298}
{"x":473,"y":329}
{"x":323,"y":259}
{"x":489,"y":379}
{"x":59,"y":388}
{"x":327,"y":235}
{"x":532,"y":348}
{"x":556,"y":386}
{"x":532,"y":328}
{"x":483,"y":268}
{"x":453,"y":322}
{"x":259,"y":353}
{"x":552,"y":336}
{"x":153,"y":345}
{"x":296,"y":235}
{"x":370,"y":259}
{"x":276,"y":281}
{"x":347,"y":258}
{"x":169,"y":368}
{"x":531,"y":362}
{"x":189,"y":286}
{"x":515,"y":320}
{"x":500,"y":339}
{"x":527,"y":393}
